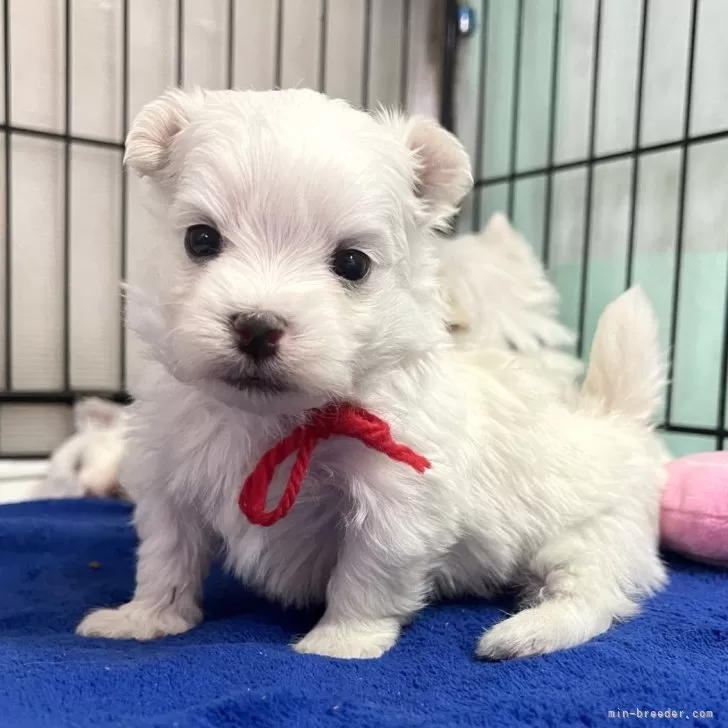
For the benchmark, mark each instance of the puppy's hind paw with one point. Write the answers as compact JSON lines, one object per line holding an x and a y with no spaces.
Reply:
{"x":506,"y":641}
{"x":136,"y":621}
{"x":545,"y":628}
{"x":355,"y":640}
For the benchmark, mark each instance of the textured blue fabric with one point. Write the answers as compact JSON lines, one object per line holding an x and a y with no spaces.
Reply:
{"x":236,"y":669}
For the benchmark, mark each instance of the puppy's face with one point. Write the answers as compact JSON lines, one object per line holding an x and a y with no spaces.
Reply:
{"x":298,"y":263}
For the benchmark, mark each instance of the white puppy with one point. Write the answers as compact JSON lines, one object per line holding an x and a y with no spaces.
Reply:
{"x":300,"y":271}
{"x":498,"y":296}
{"x":87,"y":464}
{"x":498,"y":292}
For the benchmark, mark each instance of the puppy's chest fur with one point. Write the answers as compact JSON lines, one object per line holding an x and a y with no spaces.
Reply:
{"x":202,"y":452}
{"x":290,"y":561}
{"x":479,"y":509}
{"x":207,"y":450}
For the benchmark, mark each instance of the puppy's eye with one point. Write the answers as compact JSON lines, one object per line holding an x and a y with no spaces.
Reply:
{"x":352,"y":265}
{"x":202,"y":241}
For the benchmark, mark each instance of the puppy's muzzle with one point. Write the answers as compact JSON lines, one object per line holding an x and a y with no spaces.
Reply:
{"x":258,"y":335}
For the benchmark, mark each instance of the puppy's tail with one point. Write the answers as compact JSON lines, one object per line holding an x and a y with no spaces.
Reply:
{"x":626,"y":371}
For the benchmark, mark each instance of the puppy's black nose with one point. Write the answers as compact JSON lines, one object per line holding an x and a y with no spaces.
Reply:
{"x":257,"y":334}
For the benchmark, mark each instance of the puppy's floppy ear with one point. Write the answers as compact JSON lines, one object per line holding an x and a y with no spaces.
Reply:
{"x":443,"y":174}
{"x":155,"y":127}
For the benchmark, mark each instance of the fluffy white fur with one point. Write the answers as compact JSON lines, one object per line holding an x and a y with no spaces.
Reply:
{"x":558,"y":498}
{"x":498,"y":292}
{"x":87,"y":464}
{"x":498,"y":296}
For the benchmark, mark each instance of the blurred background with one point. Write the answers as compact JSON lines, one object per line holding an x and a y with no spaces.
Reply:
{"x":599,"y":126}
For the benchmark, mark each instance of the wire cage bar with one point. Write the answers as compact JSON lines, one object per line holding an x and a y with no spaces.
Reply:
{"x":489,"y":184}
{"x":485,"y":80}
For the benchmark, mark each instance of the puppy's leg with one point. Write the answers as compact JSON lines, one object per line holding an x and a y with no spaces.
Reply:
{"x":583,"y":581}
{"x":369,"y":597}
{"x":378,"y":583}
{"x":172,"y":559}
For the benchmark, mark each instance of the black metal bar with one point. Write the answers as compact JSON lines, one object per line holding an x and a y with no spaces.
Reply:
{"x":59,"y":137}
{"x":585,"y":250}
{"x":449,"y":64}
{"x":477,"y":221}
{"x":611,"y":157}
{"x":551,"y":151}
{"x":66,"y":396}
{"x":279,"y":46}
{"x":230,"y":70}
{"x":723,"y":385}
{"x":124,"y":202}
{"x":67,"y":199}
{"x":719,"y":432}
{"x":8,"y":198}
{"x":180,"y":41}
{"x":516,"y":101}
{"x":323,"y":45}
{"x":680,"y":233}
{"x":366,"y":54}
{"x":634,"y":182}
{"x":24,"y":456}
{"x":404,"y":56}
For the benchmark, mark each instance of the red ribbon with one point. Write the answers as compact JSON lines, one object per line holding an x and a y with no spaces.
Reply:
{"x":344,"y":420}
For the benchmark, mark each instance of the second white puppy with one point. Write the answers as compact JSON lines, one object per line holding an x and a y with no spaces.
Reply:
{"x":498,"y":292}
{"x":299,"y":272}
{"x":498,"y":296}
{"x":87,"y":464}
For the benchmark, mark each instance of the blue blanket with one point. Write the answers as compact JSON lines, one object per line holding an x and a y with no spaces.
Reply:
{"x":59,"y":559}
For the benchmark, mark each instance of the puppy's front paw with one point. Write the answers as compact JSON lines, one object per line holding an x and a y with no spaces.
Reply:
{"x":350,"y":640}
{"x":137,"y":621}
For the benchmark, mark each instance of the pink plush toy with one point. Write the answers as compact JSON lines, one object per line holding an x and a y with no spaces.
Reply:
{"x":694,"y":516}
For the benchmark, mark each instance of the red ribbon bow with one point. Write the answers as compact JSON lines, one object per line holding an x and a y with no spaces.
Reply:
{"x":343,"y":420}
